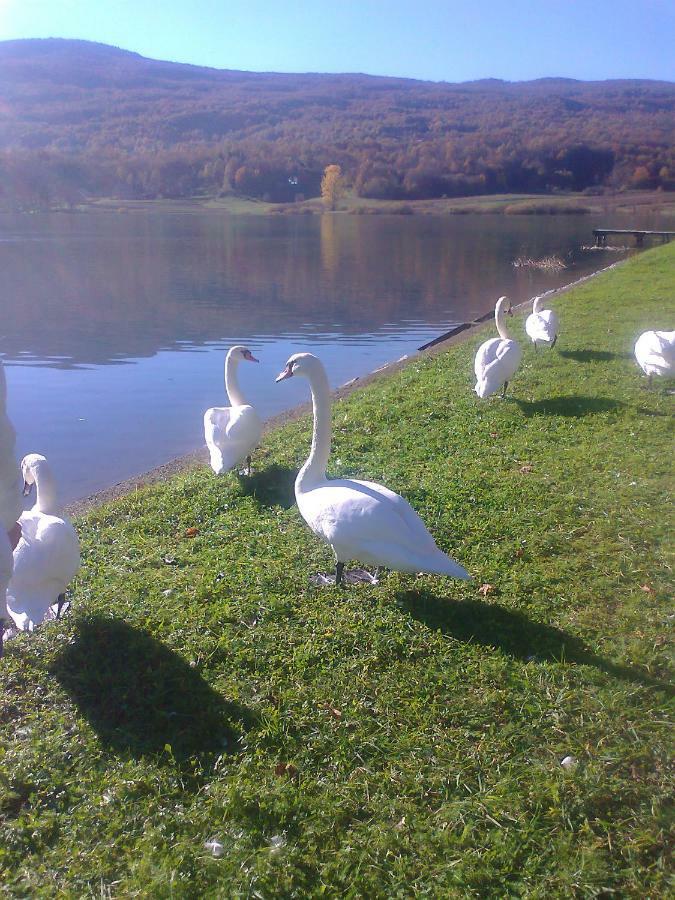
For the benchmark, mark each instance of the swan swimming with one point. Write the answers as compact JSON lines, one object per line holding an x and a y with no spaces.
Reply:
{"x":232,"y":432}
{"x":47,"y":556}
{"x":498,"y":358}
{"x":655,"y":353}
{"x":359,"y":519}
{"x":542,"y":324}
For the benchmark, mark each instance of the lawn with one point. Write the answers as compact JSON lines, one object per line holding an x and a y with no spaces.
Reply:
{"x":390,"y":741}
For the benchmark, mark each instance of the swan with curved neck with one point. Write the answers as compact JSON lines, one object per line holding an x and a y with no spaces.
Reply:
{"x":655,"y":354}
{"x":542,"y":324}
{"x":231,"y":432}
{"x":47,"y":556}
{"x":497,"y":359}
{"x":360,"y":520}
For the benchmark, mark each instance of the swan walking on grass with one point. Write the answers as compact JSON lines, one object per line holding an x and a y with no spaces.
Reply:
{"x":232,"y":432}
{"x":655,"y":353}
{"x":497,"y":359}
{"x":542,"y":324}
{"x":10,"y":504}
{"x":47,"y":556}
{"x":359,"y":519}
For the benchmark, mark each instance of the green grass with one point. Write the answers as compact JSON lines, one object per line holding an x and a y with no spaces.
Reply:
{"x":391,"y":741}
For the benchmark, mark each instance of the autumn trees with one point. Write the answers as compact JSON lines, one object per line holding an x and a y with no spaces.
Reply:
{"x":332,"y":186}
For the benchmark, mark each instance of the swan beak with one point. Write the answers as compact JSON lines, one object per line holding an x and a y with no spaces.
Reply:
{"x":27,"y":488}
{"x":287,"y":373}
{"x":250,"y":357}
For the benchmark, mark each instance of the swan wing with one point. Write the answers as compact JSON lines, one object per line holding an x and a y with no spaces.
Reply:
{"x":486,"y":353}
{"x":655,"y":352}
{"x":231,"y":432}
{"x":501,"y":368}
{"x":542,"y":326}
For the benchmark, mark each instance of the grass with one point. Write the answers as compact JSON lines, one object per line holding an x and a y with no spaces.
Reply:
{"x":390,"y":741}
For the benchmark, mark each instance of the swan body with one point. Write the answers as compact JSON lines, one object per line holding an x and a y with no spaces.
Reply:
{"x":359,"y":519}
{"x":47,"y":555}
{"x":542,"y":324}
{"x":497,"y":359}
{"x":10,"y":502}
{"x":655,"y":353}
{"x":232,"y":432}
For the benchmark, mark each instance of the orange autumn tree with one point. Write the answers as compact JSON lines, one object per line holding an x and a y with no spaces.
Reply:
{"x":332,"y":186}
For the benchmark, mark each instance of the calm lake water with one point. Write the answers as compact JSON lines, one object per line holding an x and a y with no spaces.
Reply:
{"x":114,"y":327}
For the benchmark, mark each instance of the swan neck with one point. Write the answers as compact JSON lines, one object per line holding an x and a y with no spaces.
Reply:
{"x":45,"y":487}
{"x":536,"y":305}
{"x":501,"y":324}
{"x":232,"y":381}
{"x":314,"y":470}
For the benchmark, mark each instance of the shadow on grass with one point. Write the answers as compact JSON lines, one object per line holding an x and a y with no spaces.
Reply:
{"x":593,"y":355}
{"x":140,"y":696}
{"x":491,"y":625}
{"x":574,"y":406}
{"x":273,"y":486}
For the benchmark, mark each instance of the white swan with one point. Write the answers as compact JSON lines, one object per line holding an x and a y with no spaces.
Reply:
{"x":48,"y":553}
{"x":542,"y":324}
{"x":232,"y":432}
{"x":359,"y":519}
{"x":497,"y":359}
{"x":10,"y":503}
{"x":655,"y":353}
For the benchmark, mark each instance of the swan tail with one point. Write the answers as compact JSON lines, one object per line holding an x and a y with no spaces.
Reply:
{"x":445,"y":565}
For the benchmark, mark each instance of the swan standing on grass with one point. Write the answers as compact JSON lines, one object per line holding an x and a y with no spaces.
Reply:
{"x":232,"y":432}
{"x":655,"y":353}
{"x":497,"y":359}
{"x":359,"y":519}
{"x":10,"y":504}
{"x":47,"y":556}
{"x":542,"y":324}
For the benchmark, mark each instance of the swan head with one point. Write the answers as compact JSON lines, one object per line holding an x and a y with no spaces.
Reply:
{"x":238,"y":353}
{"x":31,"y":465}
{"x":301,"y":364}
{"x":502,"y":306}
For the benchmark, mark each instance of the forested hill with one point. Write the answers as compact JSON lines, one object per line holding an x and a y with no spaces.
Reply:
{"x":81,"y":119}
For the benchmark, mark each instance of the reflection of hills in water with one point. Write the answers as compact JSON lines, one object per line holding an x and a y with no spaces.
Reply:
{"x":103,"y":289}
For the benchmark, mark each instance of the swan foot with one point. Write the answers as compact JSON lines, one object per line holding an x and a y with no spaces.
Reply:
{"x":553,"y":342}
{"x":342,"y":577}
{"x":247,"y":469}
{"x":60,"y":600}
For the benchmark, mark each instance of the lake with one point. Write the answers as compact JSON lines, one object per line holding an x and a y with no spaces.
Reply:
{"x":114,"y":326}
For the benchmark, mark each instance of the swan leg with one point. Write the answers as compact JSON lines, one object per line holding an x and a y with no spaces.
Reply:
{"x":649,"y":381}
{"x":506,"y":384}
{"x":553,"y":341}
{"x":60,"y":600}
{"x":2,"y":629}
{"x":535,"y":345}
{"x":339,"y":569}
{"x":248,"y":464}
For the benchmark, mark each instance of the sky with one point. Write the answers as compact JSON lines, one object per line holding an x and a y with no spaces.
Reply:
{"x":437,"y":40}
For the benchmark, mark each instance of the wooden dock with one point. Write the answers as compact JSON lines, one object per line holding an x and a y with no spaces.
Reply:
{"x":600,"y":235}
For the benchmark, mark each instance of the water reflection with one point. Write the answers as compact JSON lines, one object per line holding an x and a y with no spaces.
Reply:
{"x":113,"y":326}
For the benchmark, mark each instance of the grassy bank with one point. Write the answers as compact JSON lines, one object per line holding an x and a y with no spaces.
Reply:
{"x":387,"y":741}
{"x":630,"y":202}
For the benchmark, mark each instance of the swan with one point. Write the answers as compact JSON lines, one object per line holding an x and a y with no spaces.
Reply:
{"x":542,"y":324}
{"x":655,"y":353}
{"x":359,"y":519}
{"x":10,"y":504}
{"x":497,"y":359}
{"x":47,"y":556}
{"x":232,"y":432}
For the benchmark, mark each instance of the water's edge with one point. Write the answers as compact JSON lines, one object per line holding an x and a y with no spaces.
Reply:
{"x":199,"y":457}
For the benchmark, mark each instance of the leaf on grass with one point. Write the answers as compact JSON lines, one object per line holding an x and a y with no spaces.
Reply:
{"x":525,"y":469}
{"x":485,"y":589}
{"x":519,"y":553}
{"x":335,"y":713}
{"x":191,"y":532}
{"x":647,"y":588}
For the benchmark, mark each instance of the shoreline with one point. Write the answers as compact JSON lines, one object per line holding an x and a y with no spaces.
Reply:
{"x":199,"y":457}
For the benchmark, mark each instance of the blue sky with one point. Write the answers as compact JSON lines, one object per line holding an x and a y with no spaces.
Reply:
{"x":441,"y":40}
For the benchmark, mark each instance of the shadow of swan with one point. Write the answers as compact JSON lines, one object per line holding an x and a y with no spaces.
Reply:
{"x":273,"y":486}
{"x":574,"y":406}
{"x":593,"y":355}
{"x":139,"y":696}
{"x":491,"y":625}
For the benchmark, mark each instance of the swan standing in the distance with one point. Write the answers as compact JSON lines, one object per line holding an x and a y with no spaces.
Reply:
{"x":232,"y":432}
{"x":47,"y":556}
{"x":497,"y":359}
{"x":542,"y":324}
{"x":359,"y":519}
{"x":10,"y":504}
{"x":655,"y":353}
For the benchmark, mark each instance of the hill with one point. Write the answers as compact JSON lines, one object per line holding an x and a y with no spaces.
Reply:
{"x":83,"y":118}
